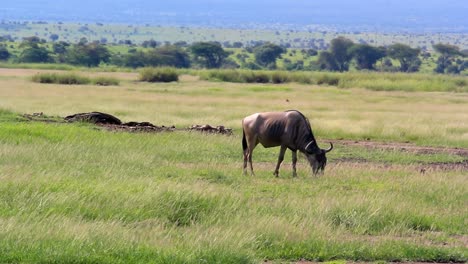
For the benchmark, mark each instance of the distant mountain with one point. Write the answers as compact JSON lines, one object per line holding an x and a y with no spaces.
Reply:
{"x":341,"y":15}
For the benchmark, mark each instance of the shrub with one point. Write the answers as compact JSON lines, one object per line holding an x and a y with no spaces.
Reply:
{"x":328,"y":79}
{"x":45,"y":78}
{"x":67,"y":78}
{"x":159,"y":75}
{"x":71,"y":78}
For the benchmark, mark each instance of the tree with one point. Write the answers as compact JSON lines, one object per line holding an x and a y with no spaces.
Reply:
{"x":161,"y":56}
{"x":88,"y":54}
{"x":339,"y":48}
{"x":54,"y":37}
{"x":33,"y":51}
{"x":4,"y":53}
{"x":266,"y":54}
{"x":326,"y":61}
{"x":366,"y":56}
{"x":168,"y":56}
{"x":150,"y":43}
{"x":446,"y":60}
{"x":208,"y":54}
{"x":60,"y":47}
{"x":407,"y":56}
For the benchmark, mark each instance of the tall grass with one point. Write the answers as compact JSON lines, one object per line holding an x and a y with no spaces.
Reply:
{"x":163,"y":74}
{"x":372,"y":81}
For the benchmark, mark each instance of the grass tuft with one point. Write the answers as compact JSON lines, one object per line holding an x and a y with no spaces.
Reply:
{"x":163,"y":74}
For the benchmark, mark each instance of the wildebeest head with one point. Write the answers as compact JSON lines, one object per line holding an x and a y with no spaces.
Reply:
{"x":316,"y":157}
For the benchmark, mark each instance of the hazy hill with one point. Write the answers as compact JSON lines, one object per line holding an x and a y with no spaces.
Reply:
{"x":388,"y":15}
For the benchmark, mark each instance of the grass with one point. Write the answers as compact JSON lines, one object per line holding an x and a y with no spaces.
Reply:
{"x":73,"y":193}
{"x":423,"y":118}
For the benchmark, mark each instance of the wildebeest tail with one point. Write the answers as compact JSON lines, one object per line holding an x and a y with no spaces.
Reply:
{"x":244,"y":141}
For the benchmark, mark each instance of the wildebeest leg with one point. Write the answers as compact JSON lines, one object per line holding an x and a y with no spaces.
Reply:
{"x":294,"y":161}
{"x":251,"y":143}
{"x":246,"y":157}
{"x":280,"y":159}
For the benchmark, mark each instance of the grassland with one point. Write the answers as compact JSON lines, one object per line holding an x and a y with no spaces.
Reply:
{"x":114,"y":33}
{"x":74,"y":193}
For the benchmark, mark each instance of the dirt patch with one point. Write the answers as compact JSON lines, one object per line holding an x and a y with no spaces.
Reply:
{"x":460,"y":165}
{"x":405,"y":147}
{"x":112,"y":123}
{"x":411,"y":148}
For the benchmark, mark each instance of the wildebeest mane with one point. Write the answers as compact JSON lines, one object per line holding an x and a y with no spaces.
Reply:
{"x":305,"y":119}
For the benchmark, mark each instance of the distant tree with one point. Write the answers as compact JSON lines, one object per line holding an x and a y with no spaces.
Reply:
{"x":160,"y":56}
{"x":266,"y":54}
{"x":326,"y":61}
{"x":150,"y":43}
{"x":33,"y":51}
{"x":4,"y":53}
{"x":32,"y":41}
{"x":237,"y":45}
{"x":447,"y":63}
{"x":35,"y":55}
{"x":311,"y":52}
{"x":407,"y":56}
{"x":208,"y":54}
{"x":88,"y":54}
{"x":339,"y":48}
{"x":181,"y":44}
{"x":54,"y":37}
{"x":60,"y":47}
{"x":366,"y":56}
{"x":167,"y":56}
{"x":133,"y":60}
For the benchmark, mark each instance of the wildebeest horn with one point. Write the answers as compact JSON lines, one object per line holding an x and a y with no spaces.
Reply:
{"x":329,"y":149}
{"x":307,"y":147}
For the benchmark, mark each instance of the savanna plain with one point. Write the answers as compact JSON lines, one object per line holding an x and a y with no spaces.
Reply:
{"x":394,"y":189}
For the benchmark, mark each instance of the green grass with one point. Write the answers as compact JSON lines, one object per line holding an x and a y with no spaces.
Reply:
{"x":73,"y":193}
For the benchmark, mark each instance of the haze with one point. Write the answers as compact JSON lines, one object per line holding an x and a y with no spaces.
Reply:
{"x":381,"y":15}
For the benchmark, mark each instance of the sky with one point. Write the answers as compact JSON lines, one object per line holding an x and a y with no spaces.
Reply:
{"x":410,"y":14}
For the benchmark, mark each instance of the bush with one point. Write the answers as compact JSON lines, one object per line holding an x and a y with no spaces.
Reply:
{"x":67,"y":78}
{"x":159,"y":75}
{"x":72,"y":78}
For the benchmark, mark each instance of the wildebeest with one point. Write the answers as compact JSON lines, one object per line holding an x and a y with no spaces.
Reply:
{"x":290,"y":129}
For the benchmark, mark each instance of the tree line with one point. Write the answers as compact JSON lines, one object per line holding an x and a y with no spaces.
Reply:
{"x":342,"y":55}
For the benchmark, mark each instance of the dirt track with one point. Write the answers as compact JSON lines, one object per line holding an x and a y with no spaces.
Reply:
{"x":404,"y":147}
{"x":411,"y":148}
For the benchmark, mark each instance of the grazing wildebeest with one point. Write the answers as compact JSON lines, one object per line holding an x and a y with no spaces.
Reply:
{"x":290,"y":129}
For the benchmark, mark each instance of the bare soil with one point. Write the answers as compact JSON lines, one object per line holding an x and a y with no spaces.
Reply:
{"x":404,"y":147}
{"x":412,"y":148}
